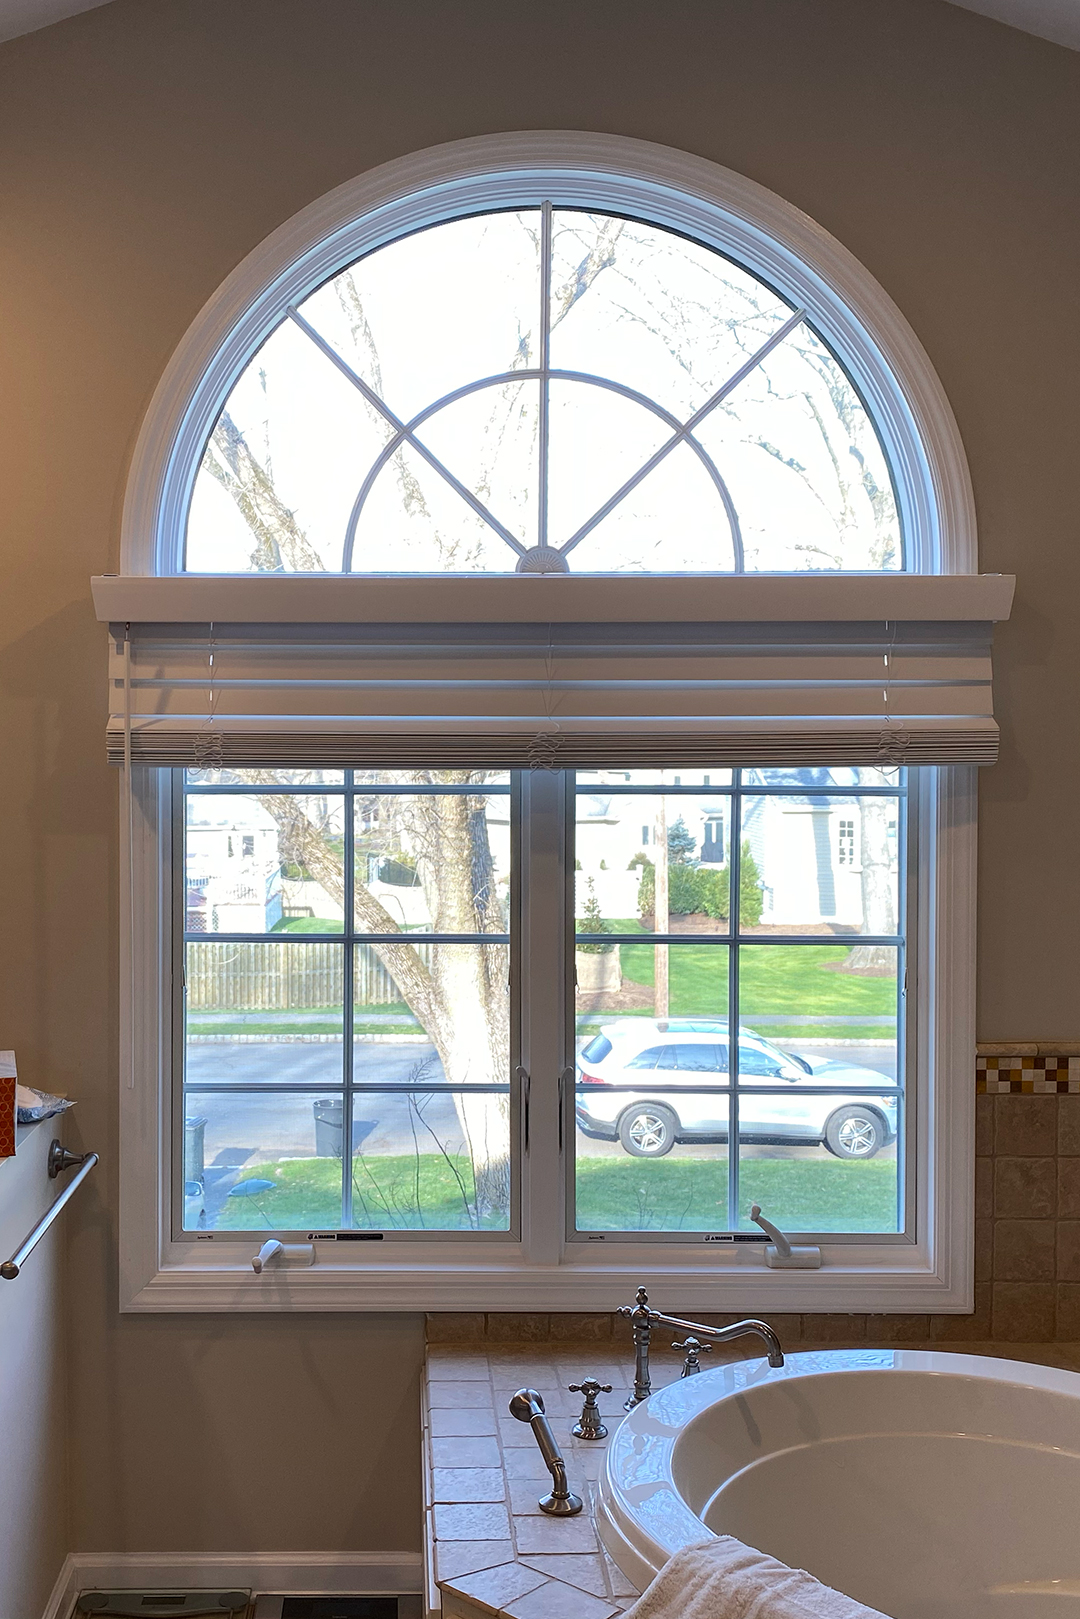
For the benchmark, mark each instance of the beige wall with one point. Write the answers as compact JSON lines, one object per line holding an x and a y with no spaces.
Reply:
{"x":33,"y":1389}
{"x":145,"y":147}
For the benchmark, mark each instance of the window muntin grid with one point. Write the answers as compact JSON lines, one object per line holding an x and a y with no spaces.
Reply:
{"x":260,"y":1140}
{"x":717,"y":1185}
{"x":713,"y":796}
{"x":610,"y":396}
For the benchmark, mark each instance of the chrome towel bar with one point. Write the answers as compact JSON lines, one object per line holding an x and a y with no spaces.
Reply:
{"x":60,"y":1159}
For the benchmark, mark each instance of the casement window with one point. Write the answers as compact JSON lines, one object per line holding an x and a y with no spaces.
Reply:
{"x":547,"y":683}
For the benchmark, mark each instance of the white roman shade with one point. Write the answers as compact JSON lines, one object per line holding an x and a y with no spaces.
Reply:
{"x":552,"y":671}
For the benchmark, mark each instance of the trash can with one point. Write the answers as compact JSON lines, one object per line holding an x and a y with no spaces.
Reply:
{"x":194,"y":1149}
{"x":328,"y":1127}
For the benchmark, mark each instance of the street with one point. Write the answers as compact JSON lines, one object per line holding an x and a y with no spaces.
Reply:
{"x":246,"y":1129}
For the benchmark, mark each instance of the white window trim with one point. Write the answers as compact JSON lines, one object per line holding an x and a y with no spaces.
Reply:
{"x":715,"y":205}
{"x":934,"y":1274}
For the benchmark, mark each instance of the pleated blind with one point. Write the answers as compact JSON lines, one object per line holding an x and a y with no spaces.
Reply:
{"x":562,"y":691}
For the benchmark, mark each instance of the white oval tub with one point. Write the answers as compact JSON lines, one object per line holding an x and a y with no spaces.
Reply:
{"x":930,"y":1486}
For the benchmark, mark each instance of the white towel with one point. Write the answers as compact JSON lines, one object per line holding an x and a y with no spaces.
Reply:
{"x":724,"y":1579}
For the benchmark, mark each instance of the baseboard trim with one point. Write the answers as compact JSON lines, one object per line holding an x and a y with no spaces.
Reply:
{"x":291,"y":1573}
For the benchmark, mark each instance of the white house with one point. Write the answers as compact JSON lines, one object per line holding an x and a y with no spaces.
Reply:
{"x":807,"y":849}
{"x":233,"y":876}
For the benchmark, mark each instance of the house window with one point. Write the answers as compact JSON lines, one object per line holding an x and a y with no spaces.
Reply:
{"x":383,"y":1012}
{"x":376,"y":1013}
{"x":673,"y":947}
{"x":606,"y":394}
{"x":573,"y":913}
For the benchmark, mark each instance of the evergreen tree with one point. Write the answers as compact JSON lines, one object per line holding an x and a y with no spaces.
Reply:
{"x":681,"y":844}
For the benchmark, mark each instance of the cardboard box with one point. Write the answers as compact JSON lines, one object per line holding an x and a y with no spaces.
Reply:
{"x":7,"y":1104}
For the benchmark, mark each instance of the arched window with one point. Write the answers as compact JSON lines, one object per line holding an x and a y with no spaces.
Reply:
{"x":542,"y":389}
{"x":429,"y":857}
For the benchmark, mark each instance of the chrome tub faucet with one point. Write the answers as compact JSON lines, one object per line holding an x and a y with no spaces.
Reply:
{"x":642,"y":1319}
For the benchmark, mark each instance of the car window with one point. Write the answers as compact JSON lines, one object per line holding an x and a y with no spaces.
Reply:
{"x":754,"y":1061}
{"x":698,"y":1059}
{"x":646,"y":1059}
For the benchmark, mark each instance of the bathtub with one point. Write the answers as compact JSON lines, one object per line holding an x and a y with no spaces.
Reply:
{"x":929,"y":1486}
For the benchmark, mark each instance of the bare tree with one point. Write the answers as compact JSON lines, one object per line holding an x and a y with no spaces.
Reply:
{"x":741,"y":311}
{"x":459,"y":993}
{"x":280,"y":542}
{"x":512,"y":422}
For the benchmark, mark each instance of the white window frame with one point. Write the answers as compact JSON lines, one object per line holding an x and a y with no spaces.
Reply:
{"x":541,"y":1271}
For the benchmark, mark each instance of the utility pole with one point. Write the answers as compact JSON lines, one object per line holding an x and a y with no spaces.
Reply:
{"x":660,"y":910}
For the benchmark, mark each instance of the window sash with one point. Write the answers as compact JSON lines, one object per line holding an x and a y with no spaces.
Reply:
{"x":542,"y":938}
{"x":907,"y":1035}
{"x":347,"y":941}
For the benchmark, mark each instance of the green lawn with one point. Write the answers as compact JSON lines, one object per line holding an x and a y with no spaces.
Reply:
{"x":773,"y":979}
{"x":327,"y":924}
{"x":429,"y":1191}
{"x":392,"y":1193}
{"x":309,"y":924}
{"x":690,"y":1194}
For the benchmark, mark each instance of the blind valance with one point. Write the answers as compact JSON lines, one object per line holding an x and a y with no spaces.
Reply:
{"x":562,"y":691}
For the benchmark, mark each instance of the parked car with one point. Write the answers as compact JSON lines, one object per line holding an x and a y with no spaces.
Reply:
{"x":648,"y":1115}
{"x":194,"y":1206}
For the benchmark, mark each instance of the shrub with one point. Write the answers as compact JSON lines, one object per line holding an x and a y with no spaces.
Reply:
{"x":696,"y":890}
{"x":592,"y":920}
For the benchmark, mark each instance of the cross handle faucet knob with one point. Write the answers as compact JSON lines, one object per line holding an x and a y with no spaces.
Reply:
{"x":590,"y":1388}
{"x":693,"y":1347}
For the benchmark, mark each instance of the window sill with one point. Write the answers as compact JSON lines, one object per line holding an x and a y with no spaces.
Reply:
{"x":887,"y":1280}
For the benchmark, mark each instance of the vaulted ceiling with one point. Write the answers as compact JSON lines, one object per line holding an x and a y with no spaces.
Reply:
{"x":1057,"y":20}
{"x":23,"y":16}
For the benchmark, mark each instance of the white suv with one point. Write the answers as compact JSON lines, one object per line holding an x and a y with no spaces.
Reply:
{"x":682,"y":1098}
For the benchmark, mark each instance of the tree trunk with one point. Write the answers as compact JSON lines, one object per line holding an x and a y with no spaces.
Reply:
{"x":461,"y":995}
{"x":280,"y":542}
{"x":472,"y":1029}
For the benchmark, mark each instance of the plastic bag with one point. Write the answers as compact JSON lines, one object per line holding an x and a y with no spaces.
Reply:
{"x":33,"y":1105}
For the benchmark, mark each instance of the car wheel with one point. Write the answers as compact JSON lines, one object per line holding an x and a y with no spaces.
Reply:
{"x":854,"y":1132}
{"x":648,"y":1130}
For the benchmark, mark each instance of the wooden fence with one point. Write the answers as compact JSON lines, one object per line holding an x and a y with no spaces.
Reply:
{"x":273,"y":977}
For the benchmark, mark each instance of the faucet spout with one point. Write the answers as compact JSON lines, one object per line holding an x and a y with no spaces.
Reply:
{"x":762,"y":1329}
{"x":643,"y":1318}
{"x":738,"y":1329}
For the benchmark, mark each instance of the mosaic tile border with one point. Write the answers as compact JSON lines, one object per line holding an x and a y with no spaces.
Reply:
{"x":1027,"y":1070}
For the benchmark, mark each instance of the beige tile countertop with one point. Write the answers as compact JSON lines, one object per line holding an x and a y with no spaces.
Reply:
{"x":488,"y":1549}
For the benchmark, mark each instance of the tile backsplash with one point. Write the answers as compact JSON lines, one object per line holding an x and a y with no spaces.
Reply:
{"x":1027,"y":1229}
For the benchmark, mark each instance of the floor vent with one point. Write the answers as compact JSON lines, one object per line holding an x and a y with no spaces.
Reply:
{"x":339,"y":1607}
{"x":163,"y":1604}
